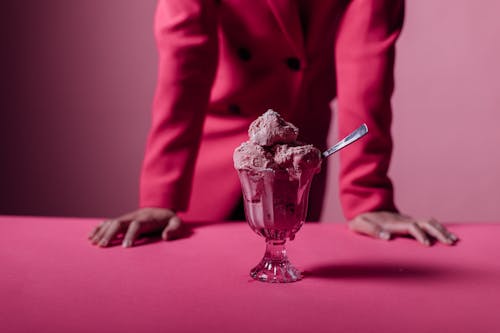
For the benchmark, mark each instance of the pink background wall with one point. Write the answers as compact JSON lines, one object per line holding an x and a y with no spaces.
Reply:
{"x":78,"y":80}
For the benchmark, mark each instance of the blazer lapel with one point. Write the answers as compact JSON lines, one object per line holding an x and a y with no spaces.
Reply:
{"x":287,"y":15}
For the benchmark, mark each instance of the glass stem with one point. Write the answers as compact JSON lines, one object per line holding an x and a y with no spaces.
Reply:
{"x":275,"y":250}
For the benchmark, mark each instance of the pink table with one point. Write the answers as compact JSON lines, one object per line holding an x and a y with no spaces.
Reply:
{"x":52,"y":280}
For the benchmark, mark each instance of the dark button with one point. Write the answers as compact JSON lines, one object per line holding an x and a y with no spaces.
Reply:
{"x":234,"y":109}
{"x":293,"y":63}
{"x":244,"y":54}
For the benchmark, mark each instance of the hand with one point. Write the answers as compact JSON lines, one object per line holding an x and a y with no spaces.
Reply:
{"x":141,"y":221}
{"x":384,"y":225}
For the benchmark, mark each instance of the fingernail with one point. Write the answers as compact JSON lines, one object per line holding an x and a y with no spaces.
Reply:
{"x":127,"y":243}
{"x":427,"y":242}
{"x":103,"y":242}
{"x":384,"y":235}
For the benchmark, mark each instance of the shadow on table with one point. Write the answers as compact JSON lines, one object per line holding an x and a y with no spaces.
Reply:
{"x":377,"y":270}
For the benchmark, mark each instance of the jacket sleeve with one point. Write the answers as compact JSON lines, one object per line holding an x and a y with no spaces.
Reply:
{"x":186,"y":36}
{"x":364,"y":56}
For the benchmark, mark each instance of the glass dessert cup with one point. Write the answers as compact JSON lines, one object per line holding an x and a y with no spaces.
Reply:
{"x":275,"y":207}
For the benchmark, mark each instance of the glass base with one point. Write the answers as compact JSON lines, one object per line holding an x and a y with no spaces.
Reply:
{"x":275,"y":266}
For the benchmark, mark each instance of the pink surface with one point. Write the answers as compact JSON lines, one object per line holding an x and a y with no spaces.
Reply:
{"x":52,"y":280}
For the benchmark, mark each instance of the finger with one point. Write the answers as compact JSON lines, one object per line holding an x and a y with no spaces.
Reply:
{"x":132,"y":233}
{"x":363,"y":225}
{"x":173,"y":230}
{"x":453,"y":237}
{"x":95,"y":230}
{"x":438,"y":233}
{"x":419,"y":234}
{"x":443,"y":229}
{"x":110,"y":233}
{"x":102,"y":230}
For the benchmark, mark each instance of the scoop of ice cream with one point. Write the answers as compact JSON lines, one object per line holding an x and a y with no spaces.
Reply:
{"x":273,"y":145}
{"x":298,"y":157}
{"x":251,"y":156}
{"x":270,"y":129}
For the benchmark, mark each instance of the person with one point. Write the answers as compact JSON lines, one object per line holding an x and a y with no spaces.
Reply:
{"x":223,"y":63}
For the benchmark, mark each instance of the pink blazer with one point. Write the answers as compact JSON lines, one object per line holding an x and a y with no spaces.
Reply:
{"x":223,"y":63}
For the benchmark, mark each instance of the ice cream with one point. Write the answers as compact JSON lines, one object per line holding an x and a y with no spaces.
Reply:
{"x":275,"y":171}
{"x":273,"y":145}
{"x":270,"y":129}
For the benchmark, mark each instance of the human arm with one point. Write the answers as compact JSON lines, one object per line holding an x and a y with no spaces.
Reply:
{"x":364,"y":56}
{"x":186,"y":36}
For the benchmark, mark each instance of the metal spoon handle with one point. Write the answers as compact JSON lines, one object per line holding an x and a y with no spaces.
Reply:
{"x":355,"y":135}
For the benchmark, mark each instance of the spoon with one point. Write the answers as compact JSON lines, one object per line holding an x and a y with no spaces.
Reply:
{"x":355,"y":135}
